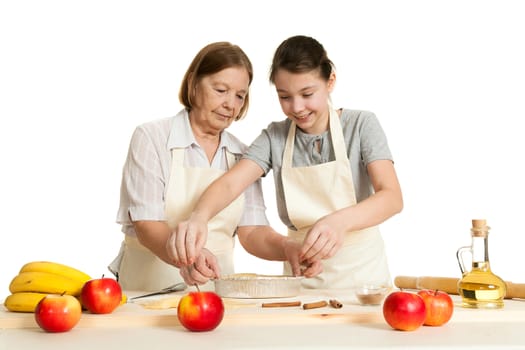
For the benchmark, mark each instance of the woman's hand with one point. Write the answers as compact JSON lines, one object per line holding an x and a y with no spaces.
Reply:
{"x":202,"y":270}
{"x":323,"y":240}
{"x":186,"y":242}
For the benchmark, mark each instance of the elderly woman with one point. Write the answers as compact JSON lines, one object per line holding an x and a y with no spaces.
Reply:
{"x":171,"y":162}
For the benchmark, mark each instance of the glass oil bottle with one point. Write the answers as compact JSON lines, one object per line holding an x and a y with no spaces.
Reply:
{"x":479,"y":287}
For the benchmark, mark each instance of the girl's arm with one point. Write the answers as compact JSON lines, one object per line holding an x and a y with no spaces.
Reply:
{"x":326,"y":236}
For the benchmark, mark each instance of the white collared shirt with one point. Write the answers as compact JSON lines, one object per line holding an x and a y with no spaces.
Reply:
{"x":147,"y":170}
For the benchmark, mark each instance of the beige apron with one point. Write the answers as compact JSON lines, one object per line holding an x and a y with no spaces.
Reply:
{"x":315,"y":191}
{"x":140,"y":269}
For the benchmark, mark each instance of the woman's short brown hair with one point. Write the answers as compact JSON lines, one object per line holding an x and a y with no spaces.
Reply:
{"x":209,"y":60}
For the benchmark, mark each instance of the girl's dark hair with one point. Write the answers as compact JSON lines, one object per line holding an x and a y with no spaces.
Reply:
{"x":299,"y":54}
{"x":209,"y":60}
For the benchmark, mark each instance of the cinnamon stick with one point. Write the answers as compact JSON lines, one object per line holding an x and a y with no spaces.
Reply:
{"x":315,"y":305}
{"x":335,"y":304}
{"x":282,"y":304}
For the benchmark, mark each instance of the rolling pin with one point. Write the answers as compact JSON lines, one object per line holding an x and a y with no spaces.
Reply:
{"x":450,"y":285}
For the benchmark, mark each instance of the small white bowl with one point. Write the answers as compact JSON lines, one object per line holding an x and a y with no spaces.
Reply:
{"x":371,"y":295}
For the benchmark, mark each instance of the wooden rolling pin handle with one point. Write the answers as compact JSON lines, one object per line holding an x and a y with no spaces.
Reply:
{"x":515,"y":290}
{"x":450,"y":285}
{"x":446,"y":284}
{"x":405,"y":282}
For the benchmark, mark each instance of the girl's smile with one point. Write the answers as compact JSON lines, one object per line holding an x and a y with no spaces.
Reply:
{"x":304,"y":99}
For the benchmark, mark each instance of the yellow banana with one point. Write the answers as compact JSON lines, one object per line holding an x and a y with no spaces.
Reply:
{"x":45,"y":282}
{"x":56,"y":268}
{"x":23,"y":301}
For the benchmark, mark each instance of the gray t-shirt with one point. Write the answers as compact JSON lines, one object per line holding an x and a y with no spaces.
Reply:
{"x":365,"y":142}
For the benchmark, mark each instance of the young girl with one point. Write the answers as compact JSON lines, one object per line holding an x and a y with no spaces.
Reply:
{"x":334,"y":178}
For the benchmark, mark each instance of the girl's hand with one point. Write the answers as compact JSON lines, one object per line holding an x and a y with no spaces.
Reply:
{"x":312,"y":269}
{"x":292,"y":250}
{"x":323,"y":241}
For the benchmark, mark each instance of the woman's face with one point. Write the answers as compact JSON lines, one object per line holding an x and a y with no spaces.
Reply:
{"x":304,"y":99}
{"x":218,"y":98}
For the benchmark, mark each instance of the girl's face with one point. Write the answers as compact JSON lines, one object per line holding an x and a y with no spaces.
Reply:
{"x":218,"y":98}
{"x":304,"y":99}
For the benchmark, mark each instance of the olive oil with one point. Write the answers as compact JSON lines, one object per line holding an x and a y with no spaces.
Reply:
{"x":478,"y":291}
{"x":479,"y":287}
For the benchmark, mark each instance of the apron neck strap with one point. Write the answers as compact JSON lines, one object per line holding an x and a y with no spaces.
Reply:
{"x":177,"y":157}
{"x":336,"y":133}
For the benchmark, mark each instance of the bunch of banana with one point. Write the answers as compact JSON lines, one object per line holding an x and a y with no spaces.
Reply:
{"x":23,"y":301}
{"x":37,"y":279}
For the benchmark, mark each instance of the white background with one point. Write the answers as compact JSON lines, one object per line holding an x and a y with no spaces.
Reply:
{"x":445,"y":78}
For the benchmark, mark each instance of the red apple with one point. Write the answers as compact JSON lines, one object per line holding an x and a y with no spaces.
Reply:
{"x":404,"y":310}
{"x":439,"y":307}
{"x":58,"y":313}
{"x":101,"y":295}
{"x":200,"y":311}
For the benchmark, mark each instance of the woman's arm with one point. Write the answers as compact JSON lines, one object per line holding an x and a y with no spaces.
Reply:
{"x":189,"y":237}
{"x":154,"y":235}
{"x":263,"y":242}
{"x":326,"y":236}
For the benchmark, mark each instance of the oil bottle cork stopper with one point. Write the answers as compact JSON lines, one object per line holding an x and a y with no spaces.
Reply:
{"x":479,"y":223}
{"x":479,"y":228}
